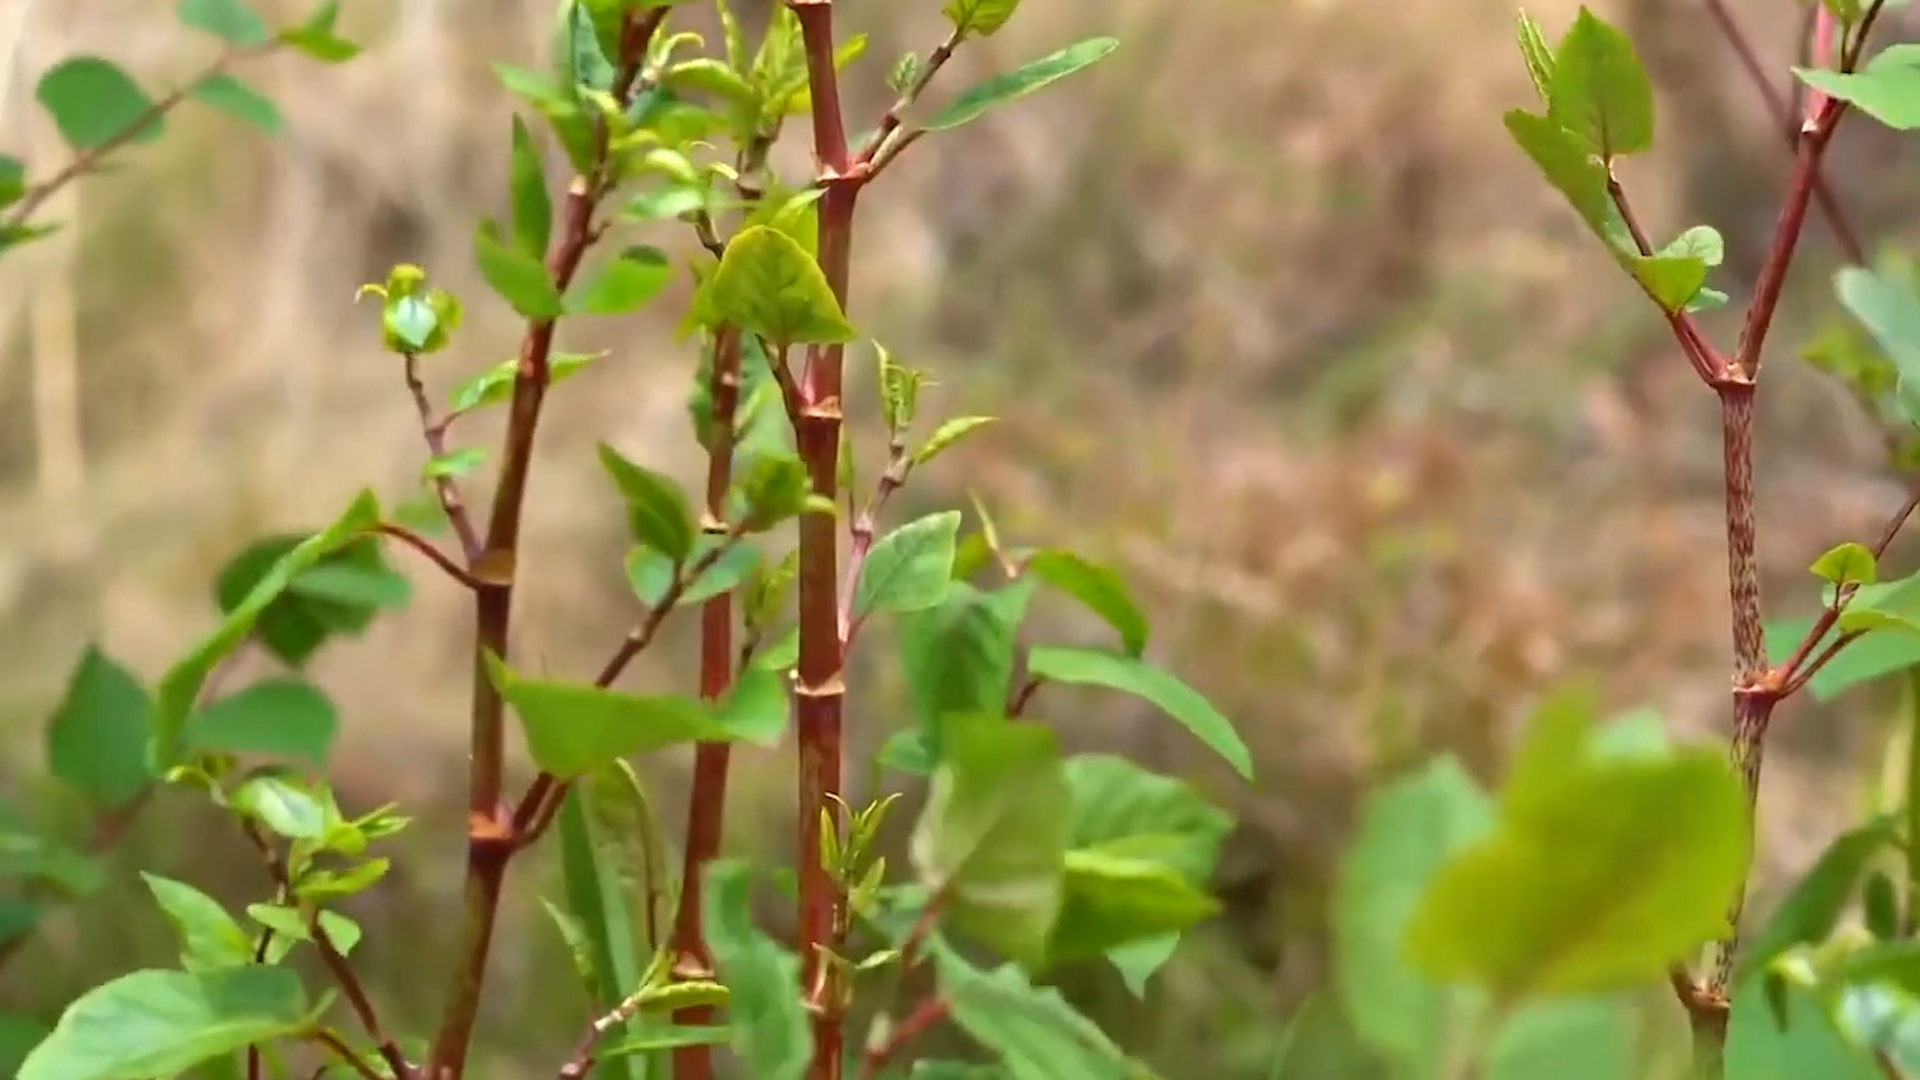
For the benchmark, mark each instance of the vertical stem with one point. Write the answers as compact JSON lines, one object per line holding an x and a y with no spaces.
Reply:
{"x":1910,"y":792}
{"x":706,"y":808}
{"x":821,"y":690}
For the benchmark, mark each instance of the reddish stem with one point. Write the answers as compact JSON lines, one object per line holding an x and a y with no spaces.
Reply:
{"x":820,"y":689}
{"x":706,"y":805}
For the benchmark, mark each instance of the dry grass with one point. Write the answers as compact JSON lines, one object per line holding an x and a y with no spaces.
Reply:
{"x":1274,"y":316}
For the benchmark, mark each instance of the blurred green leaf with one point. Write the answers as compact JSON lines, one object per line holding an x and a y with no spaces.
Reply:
{"x":958,"y":656}
{"x":159,"y":1023}
{"x":658,"y":513}
{"x":1098,"y":589}
{"x":97,"y":739}
{"x":95,"y":102}
{"x":623,"y":284}
{"x":1113,"y":898}
{"x":651,"y":573}
{"x":768,"y":1021}
{"x":1094,"y":667}
{"x":1890,"y":311}
{"x":1762,"y":1047}
{"x":983,"y":97}
{"x":240,"y":101}
{"x":18,"y":1036}
{"x":232,"y":21}
{"x":1034,"y":1032}
{"x":1813,"y":907}
{"x":993,"y":836}
{"x":284,"y":717}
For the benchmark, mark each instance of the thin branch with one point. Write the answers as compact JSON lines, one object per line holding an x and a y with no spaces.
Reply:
{"x":896,"y":113}
{"x":1706,"y":360}
{"x":434,"y":555}
{"x":446,"y":487}
{"x":333,"y":1042}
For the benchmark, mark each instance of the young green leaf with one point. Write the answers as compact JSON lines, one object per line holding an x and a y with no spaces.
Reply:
{"x":947,"y":434}
{"x":1599,"y":90}
{"x":1886,"y":305}
{"x":1408,"y":831}
{"x":519,"y":278}
{"x":658,"y":513}
{"x":94,"y":102}
{"x":495,"y":385}
{"x":1846,"y":564}
{"x":1602,"y":872}
{"x":910,"y":568}
{"x":573,"y":728}
{"x":1671,"y":280}
{"x":532,"y":215}
{"x":622,"y":285}
{"x":979,"y":17}
{"x":1097,"y":588}
{"x":284,"y":804}
{"x":240,"y":101}
{"x":209,"y":937}
{"x":1887,"y":88}
{"x":1811,"y":910}
{"x":1539,"y":58}
{"x":983,"y":97}
{"x":993,"y":836}
{"x":768,"y":285}
{"x":97,"y":739}
{"x":1565,"y":162}
{"x":286,"y":718}
{"x":295,"y":624}
{"x":958,"y":656}
{"x":180,"y":686}
{"x":598,"y":902}
{"x":1130,"y":675}
{"x":454,"y":463}
{"x":232,"y":21}
{"x":651,"y":573}
{"x":162,"y":1023}
{"x":768,"y":1021}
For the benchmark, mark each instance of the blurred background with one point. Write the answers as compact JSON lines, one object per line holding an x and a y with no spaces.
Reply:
{"x":1275,"y":318}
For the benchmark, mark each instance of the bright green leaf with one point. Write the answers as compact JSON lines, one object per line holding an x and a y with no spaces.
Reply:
{"x":532,"y":215}
{"x":982,"y":97}
{"x":1672,"y":280}
{"x":495,"y":385}
{"x":1538,"y":56}
{"x":652,"y":573}
{"x":94,"y":102}
{"x":623,"y":284}
{"x":160,"y":1023}
{"x":573,"y":728}
{"x":1566,"y":1039}
{"x":658,"y":513}
{"x":1846,"y":564}
{"x":1096,"y":587}
{"x":284,"y":717}
{"x":1112,"y":900}
{"x":981,"y":17}
{"x":910,"y":568}
{"x":958,"y":657}
{"x":768,"y":285}
{"x":947,"y":434}
{"x":993,"y":835}
{"x":97,"y":739}
{"x":209,"y":937}
{"x":519,"y":278}
{"x":282,"y":803}
{"x":1600,"y":90}
{"x":1094,"y":667}
{"x":1887,"y":88}
{"x":1565,"y":162}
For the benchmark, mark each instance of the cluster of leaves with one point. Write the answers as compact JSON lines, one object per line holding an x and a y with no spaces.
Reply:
{"x":1024,"y":859}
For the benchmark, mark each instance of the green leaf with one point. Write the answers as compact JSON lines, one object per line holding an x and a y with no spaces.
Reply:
{"x":947,"y":434}
{"x":209,"y":937}
{"x":282,"y":803}
{"x":993,"y":835}
{"x":336,"y":595}
{"x":1093,"y":667}
{"x":1111,"y":899}
{"x":658,"y":512}
{"x":240,"y":101}
{"x":1033,"y":1031}
{"x":284,"y":717}
{"x":597,"y":900}
{"x":622,"y":285}
{"x":1603,"y":870}
{"x":1885,"y":304}
{"x":1098,"y":589}
{"x":232,"y":21}
{"x":768,"y":285}
{"x":958,"y":657}
{"x":651,"y":1040}
{"x":981,"y":17}
{"x":1887,"y":88}
{"x":454,"y":463}
{"x":1675,"y":275}
{"x":1408,"y":831}
{"x":97,"y":739}
{"x":1847,"y":564}
{"x":18,"y":1036}
{"x":1538,"y":57}
{"x":910,"y":568}
{"x":983,"y":97}
{"x":94,"y":102}
{"x":495,"y":385}
{"x":160,"y":1023}
{"x":766,"y":1017}
{"x":651,"y":573}
{"x":1600,"y":90}
{"x":13,"y":182}
{"x":1119,"y":805}
{"x":1574,"y":173}
{"x":1566,"y":1039}
{"x":573,"y":728}
{"x":1762,"y":1047}
{"x":181,"y":685}
{"x":532,"y":215}
{"x":1811,"y":910}
{"x":316,"y":39}
{"x":519,"y":278}
{"x":1872,"y":655}
{"x":755,"y":710}
{"x":1891,"y":605}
